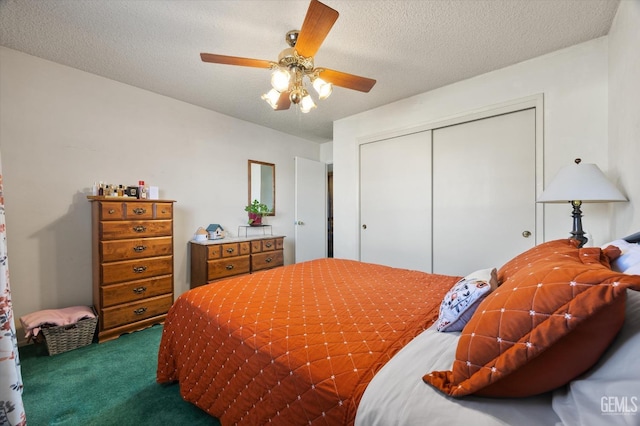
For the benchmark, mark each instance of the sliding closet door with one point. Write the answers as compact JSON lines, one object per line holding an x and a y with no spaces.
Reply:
{"x":395,"y":202}
{"x":483,"y":192}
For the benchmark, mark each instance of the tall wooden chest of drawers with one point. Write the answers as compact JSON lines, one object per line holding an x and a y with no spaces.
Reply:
{"x":132,"y":245}
{"x":213,"y":260}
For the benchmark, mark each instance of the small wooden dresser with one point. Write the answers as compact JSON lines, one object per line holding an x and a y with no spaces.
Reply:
{"x":132,"y":244}
{"x":212,"y":260}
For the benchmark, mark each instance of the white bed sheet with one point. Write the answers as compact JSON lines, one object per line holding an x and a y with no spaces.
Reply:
{"x":398,"y":396}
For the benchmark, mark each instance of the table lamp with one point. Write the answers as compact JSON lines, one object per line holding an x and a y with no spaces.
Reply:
{"x":577,"y":184}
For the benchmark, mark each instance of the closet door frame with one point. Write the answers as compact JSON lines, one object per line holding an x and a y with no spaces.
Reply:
{"x":535,"y":101}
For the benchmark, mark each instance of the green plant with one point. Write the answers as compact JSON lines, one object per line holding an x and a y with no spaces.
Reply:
{"x":256,"y":210}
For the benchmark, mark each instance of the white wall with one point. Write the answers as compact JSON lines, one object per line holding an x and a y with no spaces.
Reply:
{"x":624,"y":115}
{"x":61,"y":129}
{"x":326,"y":152}
{"x":574,"y":84}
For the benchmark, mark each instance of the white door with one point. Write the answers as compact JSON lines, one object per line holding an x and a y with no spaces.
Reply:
{"x":395,"y":202}
{"x":483,"y":192}
{"x":310,"y":209}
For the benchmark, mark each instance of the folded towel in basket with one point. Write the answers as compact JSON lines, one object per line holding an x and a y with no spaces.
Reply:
{"x":32,"y":323}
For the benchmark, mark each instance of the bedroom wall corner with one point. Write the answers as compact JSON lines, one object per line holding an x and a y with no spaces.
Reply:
{"x":326,"y":152}
{"x":624,"y":115}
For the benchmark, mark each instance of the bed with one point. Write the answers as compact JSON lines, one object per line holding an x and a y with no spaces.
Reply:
{"x":335,"y":341}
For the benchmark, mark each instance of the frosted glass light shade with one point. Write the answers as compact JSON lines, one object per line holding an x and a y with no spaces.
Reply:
{"x":307,"y":104}
{"x":272,"y":98}
{"x":280,"y":80}
{"x":581,"y":182}
{"x":323,"y":88}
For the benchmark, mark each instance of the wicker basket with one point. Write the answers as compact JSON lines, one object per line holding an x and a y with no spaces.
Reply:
{"x":68,"y":337}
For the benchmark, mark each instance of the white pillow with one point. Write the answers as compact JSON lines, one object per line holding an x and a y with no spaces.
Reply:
{"x":609,"y":393}
{"x":633,"y":270}
{"x":630,"y":255}
{"x":463,"y":298}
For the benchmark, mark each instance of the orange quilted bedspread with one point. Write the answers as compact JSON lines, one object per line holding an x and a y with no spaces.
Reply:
{"x":296,"y":344}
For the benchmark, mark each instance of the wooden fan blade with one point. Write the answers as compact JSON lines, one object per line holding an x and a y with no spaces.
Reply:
{"x":283,"y":101}
{"x":317,"y":24}
{"x":348,"y":81}
{"x":235,"y":60}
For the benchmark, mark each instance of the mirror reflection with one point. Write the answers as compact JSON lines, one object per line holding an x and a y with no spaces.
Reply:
{"x":262,"y":184}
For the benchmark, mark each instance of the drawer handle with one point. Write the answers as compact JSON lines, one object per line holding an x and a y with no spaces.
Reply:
{"x":230,"y":250}
{"x":139,"y":210}
{"x":139,"y":228}
{"x":268,"y":260}
{"x":139,"y":269}
{"x":268,"y":245}
{"x":229,"y":267}
{"x":139,"y":290}
{"x":139,"y":249}
{"x":164,"y":211}
{"x":140,"y":311}
{"x":112,"y":211}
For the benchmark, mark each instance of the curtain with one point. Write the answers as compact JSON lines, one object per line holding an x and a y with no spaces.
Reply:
{"x":11,"y":408}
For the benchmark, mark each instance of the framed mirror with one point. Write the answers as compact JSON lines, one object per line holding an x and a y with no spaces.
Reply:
{"x":262,"y":184}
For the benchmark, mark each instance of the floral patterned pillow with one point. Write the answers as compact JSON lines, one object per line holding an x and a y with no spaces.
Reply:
{"x":461,"y":301}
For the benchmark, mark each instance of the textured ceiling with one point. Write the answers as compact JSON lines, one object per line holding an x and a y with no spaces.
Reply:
{"x":409,"y":47}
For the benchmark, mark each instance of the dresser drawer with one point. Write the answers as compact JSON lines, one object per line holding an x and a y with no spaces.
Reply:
{"x":222,"y":268}
{"x":135,"y":229}
{"x":136,"y":249}
{"x":268,"y":245}
{"x":130,"y":270}
{"x":256,"y":246}
{"x":235,"y":249}
{"x":213,"y":251}
{"x":135,"y":311}
{"x":266,"y":260}
{"x":111,"y":211}
{"x":138,"y":211}
{"x":164,"y":210}
{"x":131,"y":291}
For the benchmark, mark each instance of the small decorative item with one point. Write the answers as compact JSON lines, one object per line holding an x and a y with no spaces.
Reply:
{"x":256,"y":211}
{"x":131,"y":191}
{"x":201,"y":234}
{"x":215,"y":231}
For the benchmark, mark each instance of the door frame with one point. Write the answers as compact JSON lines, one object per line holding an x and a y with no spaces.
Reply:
{"x":534,"y":101}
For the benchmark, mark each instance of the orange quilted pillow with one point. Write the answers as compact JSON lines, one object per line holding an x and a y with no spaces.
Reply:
{"x":536,"y":253}
{"x":557,"y":310}
{"x":543,"y":250}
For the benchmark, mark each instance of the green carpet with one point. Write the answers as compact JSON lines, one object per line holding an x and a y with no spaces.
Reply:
{"x":111,"y":383}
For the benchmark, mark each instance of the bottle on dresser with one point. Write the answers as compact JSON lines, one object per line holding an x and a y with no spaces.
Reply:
{"x":142,"y":190}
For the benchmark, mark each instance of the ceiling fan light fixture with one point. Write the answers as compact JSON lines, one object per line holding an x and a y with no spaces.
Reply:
{"x":272,"y":98}
{"x":280,"y":79}
{"x":296,"y":63}
{"x":323,"y":88}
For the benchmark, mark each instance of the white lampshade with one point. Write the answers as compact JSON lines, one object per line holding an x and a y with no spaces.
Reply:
{"x":581,"y":182}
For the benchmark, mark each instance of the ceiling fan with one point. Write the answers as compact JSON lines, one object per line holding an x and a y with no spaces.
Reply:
{"x":295,"y":63}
